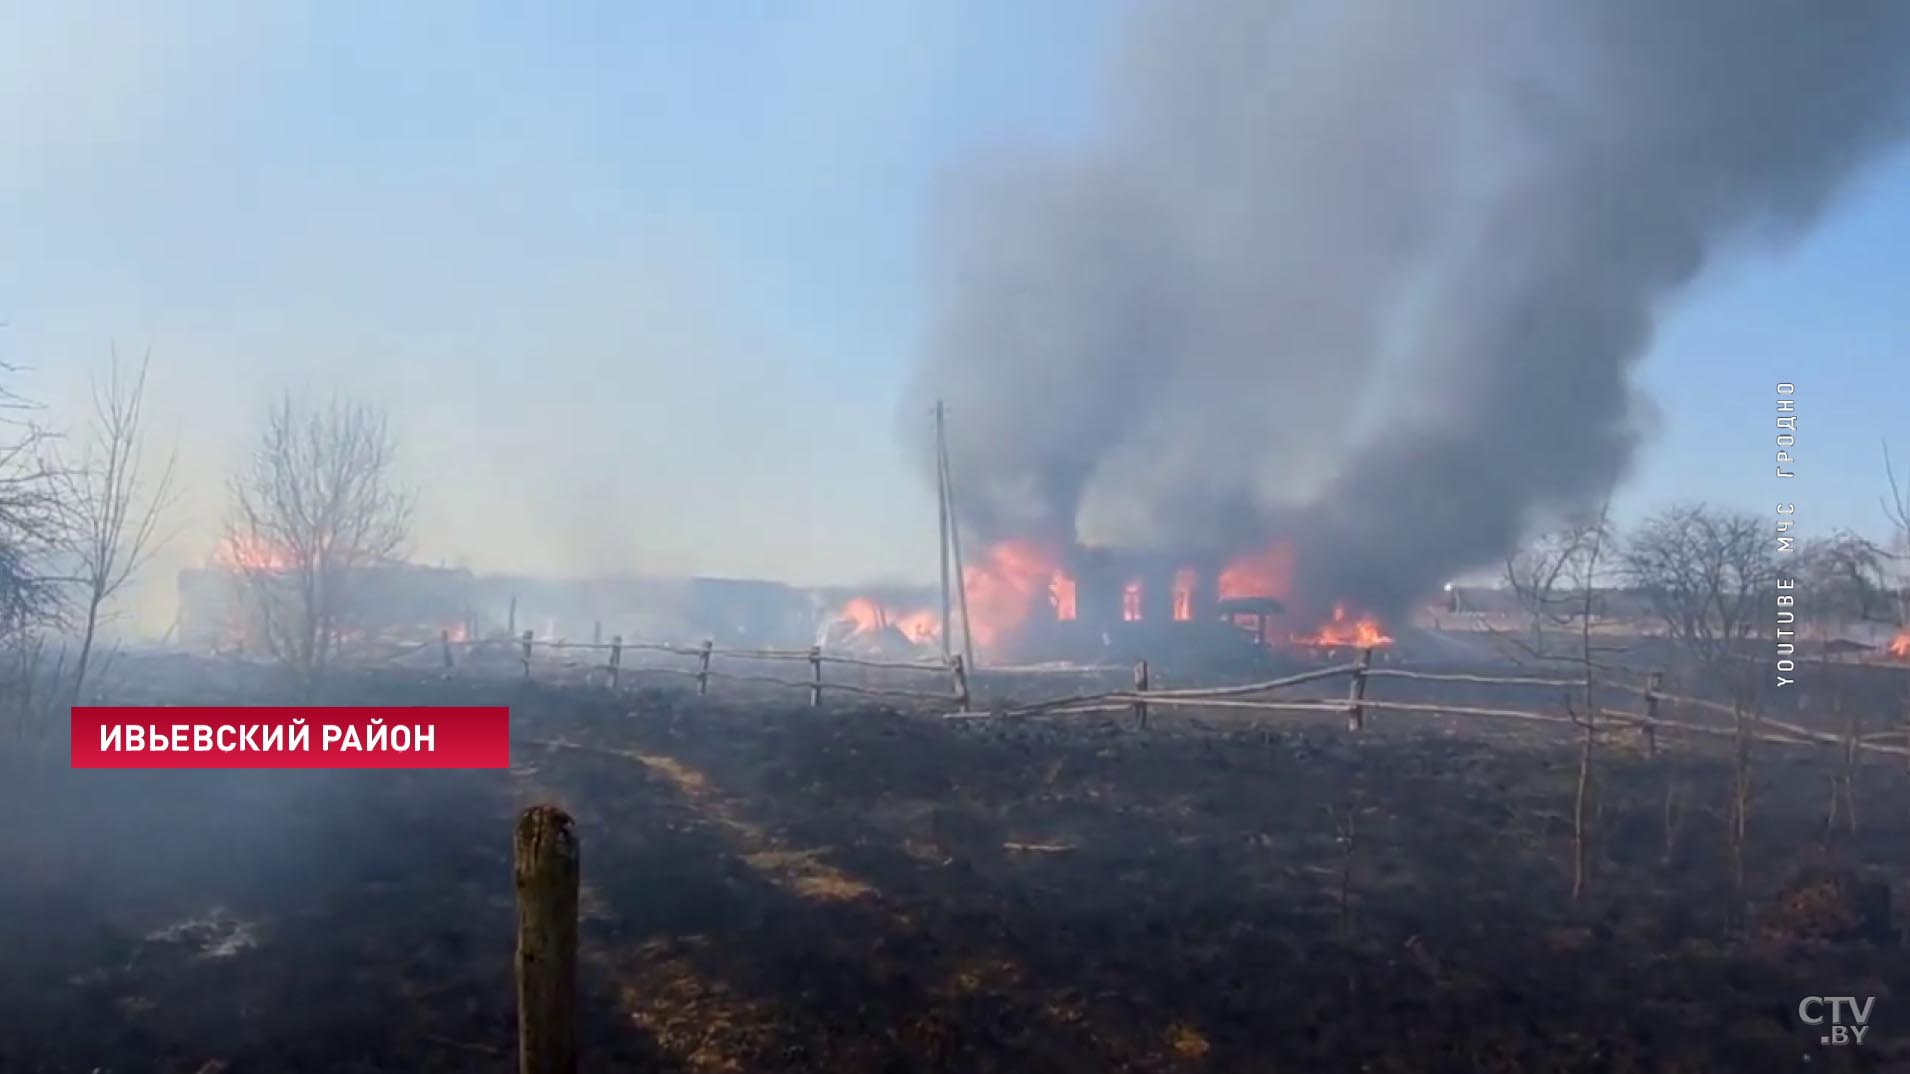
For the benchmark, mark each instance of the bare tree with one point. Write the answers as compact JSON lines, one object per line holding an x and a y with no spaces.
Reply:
{"x":112,"y":503}
{"x":1896,"y":508}
{"x":1583,"y":567}
{"x":1534,"y":573}
{"x":31,"y":517}
{"x":31,"y":520}
{"x":1708,"y":574}
{"x":1848,"y":580}
{"x":1711,"y":578}
{"x":1557,"y":580}
{"x":317,"y":505}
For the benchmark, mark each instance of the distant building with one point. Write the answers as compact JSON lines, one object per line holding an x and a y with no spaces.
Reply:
{"x":220,"y":609}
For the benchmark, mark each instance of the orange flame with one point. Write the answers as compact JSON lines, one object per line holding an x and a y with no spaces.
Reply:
{"x":920,"y":627}
{"x":1184,"y":580}
{"x":1340,"y":632}
{"x":1013,"y":579}
{"x":1061,"y":595}
{"x":1131,"y":601}
{"x":1900,"y":645}
{"x":250,"y":554}
{"x":864,"y":613}
{"x":1266,"y":573}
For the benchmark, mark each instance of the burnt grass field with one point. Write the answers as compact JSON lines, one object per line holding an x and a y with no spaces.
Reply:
{"x":773,"y":888}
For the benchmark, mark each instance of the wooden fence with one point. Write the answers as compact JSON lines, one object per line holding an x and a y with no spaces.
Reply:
{"x":1358,"y":702}
{"x":532,"y":657}
{"x":608,"y":658}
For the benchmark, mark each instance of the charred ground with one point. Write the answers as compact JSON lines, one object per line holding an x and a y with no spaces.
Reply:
{"x":772,"y":888}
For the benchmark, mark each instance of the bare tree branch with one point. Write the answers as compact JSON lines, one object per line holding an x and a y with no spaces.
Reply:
{"x":316,"y":506}
{"x":1707,"y":574}
{"x":112,"y":504}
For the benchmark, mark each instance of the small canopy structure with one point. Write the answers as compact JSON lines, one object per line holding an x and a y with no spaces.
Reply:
{"x":1251,"y":613}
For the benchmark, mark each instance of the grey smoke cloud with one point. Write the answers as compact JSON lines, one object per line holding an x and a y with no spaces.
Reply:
{"x":1373,"y":277}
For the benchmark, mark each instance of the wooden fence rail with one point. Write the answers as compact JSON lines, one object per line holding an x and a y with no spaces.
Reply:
{"x":1143,"y":696}
{"x":533,"y":653}
{"x":1358,"y":702}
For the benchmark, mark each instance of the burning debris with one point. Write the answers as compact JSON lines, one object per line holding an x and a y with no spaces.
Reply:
{"x":917,"y":626}
{"x":1899,"y":647}
{"x":866,"y":625}
{"x":1344,"y":632}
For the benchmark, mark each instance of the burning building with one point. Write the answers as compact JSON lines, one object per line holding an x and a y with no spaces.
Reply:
{"x":1354,"y":327}
{"x":1030,"y":600}
{"x":1026,"y":597}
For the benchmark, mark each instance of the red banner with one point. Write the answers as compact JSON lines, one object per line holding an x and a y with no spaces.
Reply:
{"x":292,"y":737}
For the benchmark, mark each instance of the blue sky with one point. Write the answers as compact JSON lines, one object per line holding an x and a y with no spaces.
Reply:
{"x":641,"y":283}
{"x":1825,"y":312}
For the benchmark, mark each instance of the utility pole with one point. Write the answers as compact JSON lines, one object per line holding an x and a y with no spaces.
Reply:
{"x":952,"y":526}
{"x":941,"y":505}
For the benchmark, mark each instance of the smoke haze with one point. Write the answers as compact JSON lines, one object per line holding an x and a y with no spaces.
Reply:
{"x":1374,"y":278}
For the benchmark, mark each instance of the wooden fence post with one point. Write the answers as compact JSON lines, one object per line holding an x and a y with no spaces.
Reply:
{"x":546,"y":871}
{"x":510,"y":621}
{"x":444,"y":641}
{"x":1140,"y":687}
{"x":960,"y":671}
{"x":597,"y":632}
{"x":527,"y":656}
{"x":1652,"y":682}
{"x":815,"y":679}
{"x":1356,"y":692}
{"x":703,"y":667}
{"x":616,"y":659}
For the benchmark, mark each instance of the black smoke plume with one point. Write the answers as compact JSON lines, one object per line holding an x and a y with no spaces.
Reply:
{"x":1373,"y":277}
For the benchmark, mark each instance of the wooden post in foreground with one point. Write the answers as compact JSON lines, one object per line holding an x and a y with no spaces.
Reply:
{"x":616,"y":659}
{"x":1355,"y":693}
{"x":546,"y":871}
{"x":815,"y":679}
{"x":1652,"y":682}
{"x":960,"y":670}
{"x":703,"y":667}
{"x":444,"y":640}
{"x":1140,"y":687}
{"x":527,"y":656}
